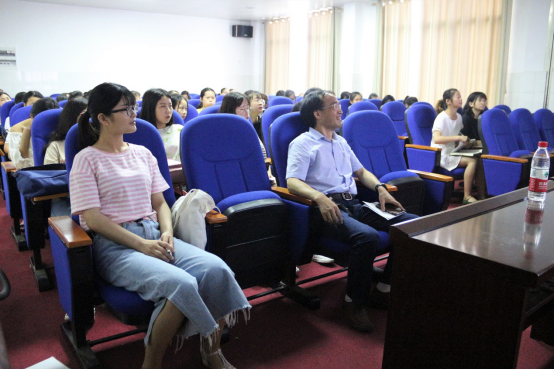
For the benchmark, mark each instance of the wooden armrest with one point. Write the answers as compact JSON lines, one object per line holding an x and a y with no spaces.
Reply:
{"x":214,"y":217}
{"x":71,"y":234}
{"x":9,"y":167}
{"x":286,"y":194}
{"x":2,"y":152}
{"x":390,"y":188}
{"x":53,"y":196}
{"x":268,"y":161}
{"x":503,"y":158}
{"x":423,"y":147}
{"x":432,"y":176}
{"x":403,"y":138}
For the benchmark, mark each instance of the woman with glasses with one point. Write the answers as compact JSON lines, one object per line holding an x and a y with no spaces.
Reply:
{"x":256,"y":109}
{"x":113,"y":183}
{"x":157,"y":108}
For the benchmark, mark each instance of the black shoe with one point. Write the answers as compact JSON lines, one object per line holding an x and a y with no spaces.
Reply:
{"x":357,"y":316}
{"x":379,"y":300}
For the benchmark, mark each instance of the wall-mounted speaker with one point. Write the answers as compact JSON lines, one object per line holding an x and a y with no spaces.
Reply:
{"x":242,"y":31}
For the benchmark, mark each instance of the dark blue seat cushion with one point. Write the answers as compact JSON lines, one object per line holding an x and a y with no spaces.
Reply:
{"x":245,"y":197}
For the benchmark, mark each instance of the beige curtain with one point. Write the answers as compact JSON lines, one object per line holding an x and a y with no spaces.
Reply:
{"x":462,"y":47}
{"x":277,"y":40}
{"x":396,"y":61}
{"x":337,"y":34}
{"x":320,"y":50}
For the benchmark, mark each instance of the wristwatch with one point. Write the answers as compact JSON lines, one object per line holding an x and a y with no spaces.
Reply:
{"x":378,"y":185}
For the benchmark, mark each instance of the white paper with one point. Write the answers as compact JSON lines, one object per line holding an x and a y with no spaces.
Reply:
{"x":49,"y":363}
{"x":376,"y":207}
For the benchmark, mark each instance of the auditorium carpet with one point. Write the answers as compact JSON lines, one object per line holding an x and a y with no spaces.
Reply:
{"x":280,"y":334}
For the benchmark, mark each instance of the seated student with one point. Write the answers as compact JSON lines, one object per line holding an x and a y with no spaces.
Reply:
{"x":239,"y":104}
{"x":386,"y":99}
{"x":373,"y":96}
{"x":171,"y":92}
{"x":474,"y":107}
{"x":180,"y":104}
{"x":28,"y":99}
{"x":290,"y":94}
{"x":55,"y":148}
{"x":345,"y":95}
{"x":207,"y":98}
{"x":446,"y":135}
{"x":409,"y":100}
{"x":224,"y":91}
{"x":61,"y":97}
{"x":257,"y":102}
{"x":18,"y":142}
{"x":185,"y":94}
{"x":75,"y":94}
{"x":321,"y":167}
{"x":194,"y":291}
{"x":265,"y":101}
{"x":280,"y":93}
{"x":137,"y":95}
{"x":158,"y":110}
{"x":4,"y":97}
{"x":354,"y":98}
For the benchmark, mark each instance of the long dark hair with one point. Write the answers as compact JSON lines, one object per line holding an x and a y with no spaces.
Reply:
{"x":102,"y":99}
{"x":42,"y":105}
{"x":472,"y":98}
{"x":353,"y":96}
{"x":202,"y":93}
{"x":149,"y":101}
{"x":232,"y":101}
{"x":68,"y":118}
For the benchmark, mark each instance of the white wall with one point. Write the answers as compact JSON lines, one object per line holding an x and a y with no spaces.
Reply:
{"x":63,"y":48}
{"x":527,"y":58}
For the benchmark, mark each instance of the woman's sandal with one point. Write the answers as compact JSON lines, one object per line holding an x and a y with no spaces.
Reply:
{"x":218,"y":353}
{"x":467,"y":200}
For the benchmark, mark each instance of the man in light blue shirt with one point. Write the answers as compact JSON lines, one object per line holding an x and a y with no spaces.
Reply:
{"x":321,"y":167}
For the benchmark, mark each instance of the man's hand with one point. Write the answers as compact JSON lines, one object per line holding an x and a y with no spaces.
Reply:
{"x":385,"y":197}
{"x":158,"y":249}
{"x":329,"y":210}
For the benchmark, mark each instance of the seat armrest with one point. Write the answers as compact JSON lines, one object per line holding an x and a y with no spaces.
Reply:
{"x":286,"y":194}
{"x":71,"y":234}
{"x":214,"y":217}
{"x":423,"y":147}
{"x":52,"y":196}
{"x":1,"y":151}
{"x":432,"y":176}
{"x":403,"y":138}
{"x":9,"y":167}
{"x":268,"y":161}
{"x":504,"y":158}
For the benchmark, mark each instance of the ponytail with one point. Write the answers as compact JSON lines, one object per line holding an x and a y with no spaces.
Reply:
{"x":89,"y":131}
{"x":439,"y":106}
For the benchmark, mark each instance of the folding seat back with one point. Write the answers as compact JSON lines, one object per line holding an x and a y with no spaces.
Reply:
{"x":361,"y":106}
{"x":396,"y":111}
{"x":344,"y":104}
{"x":139,"y":102}
{"x":423,"y":102}
{"x":419,"y":123}
{"x":279,"y":100}
{"x":194,"y":102}
{"x":177,"y":118}
{"x":376,"y":102}
{"x":210,"y":110}
{"x":43,"y":125}
{"x":219,"y":98}
{"x":62,"y":103}
{"x":4,"y":113}
{"x":191,"y":114}
{"x":544,"y":120}
{"x":20,"y":115}
{"x":13,"y":109}
{"x":373,"y":139}
{"x":255,"y":241}
{"x":503,"y":107}
{"x":194,"y":96}
{"x":270,"y":115}
{"x":525,"y":130}
{"x":497,"y":134}
{"x":299,"y":99}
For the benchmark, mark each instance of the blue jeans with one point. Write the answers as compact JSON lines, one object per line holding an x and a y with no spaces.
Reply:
{"x":359,"y":230}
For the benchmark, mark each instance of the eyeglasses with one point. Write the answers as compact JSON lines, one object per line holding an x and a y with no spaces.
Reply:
{"x":130,"y":109}
{"x":335,"y":106}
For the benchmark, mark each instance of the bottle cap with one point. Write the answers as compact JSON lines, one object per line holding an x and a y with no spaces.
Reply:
{"x":543,"y":144}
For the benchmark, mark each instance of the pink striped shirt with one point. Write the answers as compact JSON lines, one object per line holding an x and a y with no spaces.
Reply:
{"x":120,"y":184}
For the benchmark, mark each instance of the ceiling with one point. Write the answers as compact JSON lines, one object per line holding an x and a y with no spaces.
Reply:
{"x":245,"y":10}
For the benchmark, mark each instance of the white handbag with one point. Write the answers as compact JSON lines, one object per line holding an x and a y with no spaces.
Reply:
{"x":188,"y":215}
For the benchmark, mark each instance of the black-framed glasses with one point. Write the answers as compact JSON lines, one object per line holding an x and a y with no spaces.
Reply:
{"x":130,"y":109}
{"x":335,"y":106}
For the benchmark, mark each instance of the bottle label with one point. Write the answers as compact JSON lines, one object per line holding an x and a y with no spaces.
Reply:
{"x":539,"y":180}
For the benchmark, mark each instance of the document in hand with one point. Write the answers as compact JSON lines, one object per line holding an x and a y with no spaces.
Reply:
{"x":387,"y":214}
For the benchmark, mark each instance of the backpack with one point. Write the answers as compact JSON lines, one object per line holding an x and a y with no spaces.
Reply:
{"x":188,"y":214}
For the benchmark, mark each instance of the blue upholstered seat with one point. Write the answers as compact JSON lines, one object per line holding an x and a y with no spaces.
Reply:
{"x":5,"y":113}
{"x":377,"y":102}
{"x":544,"y":120}
{"x":396,"y":111}
{"x":524,"y":128}
{"x":279,"y":100}
{"x":503,"y":107}
{"x":361,"y":106}
{"x":194,"y":102}
{"x":191,"y":114}
{"x":270,"y":115}
{"x":20,"y":115}
{"x":344,"y":104}
{"x":210,"y":110}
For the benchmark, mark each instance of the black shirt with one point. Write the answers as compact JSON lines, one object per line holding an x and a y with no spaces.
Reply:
{"x":470,"y":128}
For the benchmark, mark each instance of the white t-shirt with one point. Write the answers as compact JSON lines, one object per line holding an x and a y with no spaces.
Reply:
{"x":55,"y":153}
{"x":447,"y":127}
{"x":14,"y":142}
{"x":171,"y":136}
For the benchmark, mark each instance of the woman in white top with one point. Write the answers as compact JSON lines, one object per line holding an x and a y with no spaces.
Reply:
{"x":158,"y":110}
{"x":446,"y":135}
{"x":55,"y":149}
{"x":18,"y":142}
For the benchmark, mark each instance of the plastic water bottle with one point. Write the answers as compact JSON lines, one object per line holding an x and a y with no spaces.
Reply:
{"x":540,"y":167}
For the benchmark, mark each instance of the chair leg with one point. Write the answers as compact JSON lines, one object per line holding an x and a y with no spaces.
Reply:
{"x":16,"y":213}
{"x":85,"y":355}
{"x":300,"y":295}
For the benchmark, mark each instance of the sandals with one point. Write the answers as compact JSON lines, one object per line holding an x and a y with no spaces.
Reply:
{"x":206,"y":362}
{"x":468,"y":201}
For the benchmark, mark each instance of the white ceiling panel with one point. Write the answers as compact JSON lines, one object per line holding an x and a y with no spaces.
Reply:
{"x":245,"y":10}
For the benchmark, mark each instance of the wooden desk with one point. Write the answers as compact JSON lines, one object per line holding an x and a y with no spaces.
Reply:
{"x":461,"y":284}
